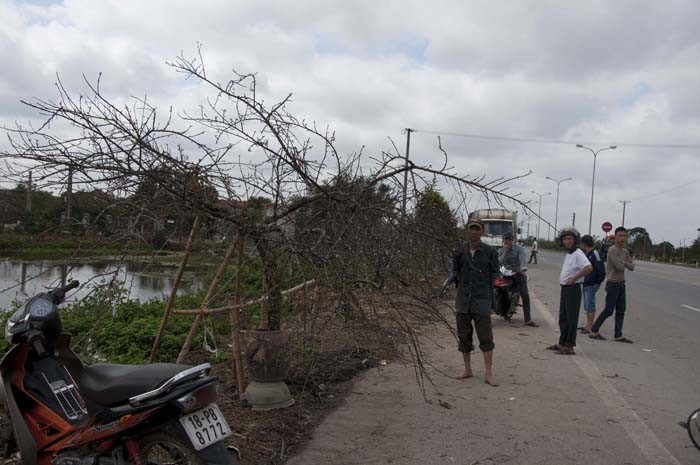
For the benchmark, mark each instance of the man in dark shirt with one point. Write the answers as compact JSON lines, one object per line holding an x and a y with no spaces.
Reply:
{"x":475,"y":267}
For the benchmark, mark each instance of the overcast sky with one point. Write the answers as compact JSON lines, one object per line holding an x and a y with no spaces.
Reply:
{"x":594,"y":72}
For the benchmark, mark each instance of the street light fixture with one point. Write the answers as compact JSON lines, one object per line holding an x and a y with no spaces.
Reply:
{"x":595,"y":155}
{"x":556,"y":211}
{"x":539,"y":210}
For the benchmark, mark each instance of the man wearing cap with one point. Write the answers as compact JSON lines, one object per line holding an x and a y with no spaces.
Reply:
{"x":512,"y":257}
{"x":475,"y":267}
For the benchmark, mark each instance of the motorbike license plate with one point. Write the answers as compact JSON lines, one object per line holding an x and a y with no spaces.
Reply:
{"x":205,"y":426}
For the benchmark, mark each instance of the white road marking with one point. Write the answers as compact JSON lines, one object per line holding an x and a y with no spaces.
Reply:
{"x":638,"y":431}
{"x":691,"y":308}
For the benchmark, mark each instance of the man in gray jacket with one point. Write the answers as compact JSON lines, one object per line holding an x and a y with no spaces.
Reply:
{"x":618,"y":259}
{"x":512,"y":257}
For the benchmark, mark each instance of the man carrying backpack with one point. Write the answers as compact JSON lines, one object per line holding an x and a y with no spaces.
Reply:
{"x":592,"y":282}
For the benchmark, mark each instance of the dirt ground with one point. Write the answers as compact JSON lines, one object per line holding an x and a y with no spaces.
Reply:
{"x":271,"y":437}
{"x":319,"y":380}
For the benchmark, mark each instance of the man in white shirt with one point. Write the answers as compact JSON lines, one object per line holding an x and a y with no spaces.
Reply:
{"x":533,"y":252}
{"x":575,"y":267}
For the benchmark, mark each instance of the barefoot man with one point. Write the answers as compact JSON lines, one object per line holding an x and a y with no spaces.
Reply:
{"x":475,"y":267}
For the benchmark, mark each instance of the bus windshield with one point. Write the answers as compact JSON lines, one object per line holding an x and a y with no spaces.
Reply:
{"x":498,"y":228}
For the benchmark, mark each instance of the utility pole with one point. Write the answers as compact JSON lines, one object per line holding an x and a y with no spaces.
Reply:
{"x":28,"y":207}
{"x":624,"y":206}
{"x":573,"y":219}
{"x":683,"y":251}
{"x":405,"y":173}
{"x":69,"y":194}
{"x":528,"y":227}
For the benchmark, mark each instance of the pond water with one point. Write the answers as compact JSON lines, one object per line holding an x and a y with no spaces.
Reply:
{"x":21,"y":279}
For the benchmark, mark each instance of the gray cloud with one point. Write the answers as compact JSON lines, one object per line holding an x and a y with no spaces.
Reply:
{"x":608,"y":72}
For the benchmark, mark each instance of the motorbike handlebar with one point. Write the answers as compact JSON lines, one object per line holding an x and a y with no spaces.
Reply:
{"x":59,"y":293}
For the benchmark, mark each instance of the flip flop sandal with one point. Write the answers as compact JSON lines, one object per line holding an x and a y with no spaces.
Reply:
{"x":585,"y":331}
{"x":624,"y":339}
{"x":554,"y":347}
{"x":565,"y":352}
{"x":581,"y":328}
{"x":597,"y":337}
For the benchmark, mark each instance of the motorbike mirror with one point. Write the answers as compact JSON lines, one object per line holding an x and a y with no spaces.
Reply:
{"x":694,"y":427}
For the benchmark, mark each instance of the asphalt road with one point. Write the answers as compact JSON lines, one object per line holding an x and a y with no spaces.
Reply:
{"x":659,"y":375}
{"x":611,"y":403}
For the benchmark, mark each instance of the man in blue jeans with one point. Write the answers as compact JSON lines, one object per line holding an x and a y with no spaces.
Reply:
{"x":591,"y":282}
{"x":618,"y":259}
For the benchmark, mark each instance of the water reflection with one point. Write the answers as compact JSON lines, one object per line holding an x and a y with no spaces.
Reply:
{"x":20,"y":279}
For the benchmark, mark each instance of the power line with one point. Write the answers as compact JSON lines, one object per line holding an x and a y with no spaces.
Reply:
{"x":532,"y":140}
{"x":680,"y":186}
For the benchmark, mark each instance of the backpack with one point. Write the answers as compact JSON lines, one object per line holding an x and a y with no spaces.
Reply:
{"x":598,"y":267}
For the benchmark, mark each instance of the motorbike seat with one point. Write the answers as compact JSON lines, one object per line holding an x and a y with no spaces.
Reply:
{"x":109,"y":385}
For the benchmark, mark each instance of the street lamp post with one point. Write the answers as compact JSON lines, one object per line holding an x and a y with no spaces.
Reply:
{"x":539,"y":210}
{"x":624,"y":207}
{"x":595,"y":155}
{"x":556,"y":211}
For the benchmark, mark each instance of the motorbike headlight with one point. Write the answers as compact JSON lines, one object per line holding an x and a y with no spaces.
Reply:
{"x":41,"y":308}
{"x":12,"y":322}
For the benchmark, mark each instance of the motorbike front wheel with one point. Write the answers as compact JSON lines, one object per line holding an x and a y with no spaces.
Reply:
{"x":501,"y":304}
{"x":693,"y":426}
{"x":164,"y":449}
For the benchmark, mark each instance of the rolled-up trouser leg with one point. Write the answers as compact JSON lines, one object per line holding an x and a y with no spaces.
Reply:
{"x":484,"y":331}
{"x":465,"y":332}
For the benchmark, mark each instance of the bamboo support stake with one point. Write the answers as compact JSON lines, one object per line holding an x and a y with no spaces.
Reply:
{"x":205,"y":303}
{"x":176,"y":285}
{"x":235,"y":323}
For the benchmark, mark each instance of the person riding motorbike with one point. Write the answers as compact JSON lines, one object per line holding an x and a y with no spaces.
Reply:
{"x":512,"y":257}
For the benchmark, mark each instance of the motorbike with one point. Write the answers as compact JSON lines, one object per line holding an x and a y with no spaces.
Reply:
{"x":693,"y":427}
{"x":64,"y":413}
{"x":506,"y":294}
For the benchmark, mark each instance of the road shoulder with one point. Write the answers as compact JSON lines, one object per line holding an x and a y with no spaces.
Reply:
{"x":546,"y":411}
